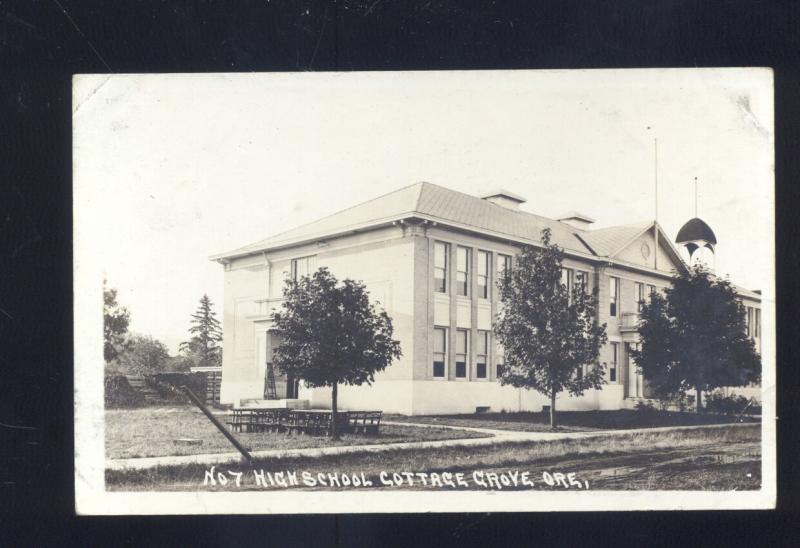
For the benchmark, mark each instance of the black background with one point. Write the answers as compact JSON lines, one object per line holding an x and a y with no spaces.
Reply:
{"x":42,"y":43}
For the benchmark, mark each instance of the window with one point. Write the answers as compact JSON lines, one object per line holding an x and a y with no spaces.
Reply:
{"x":566,"y":278}
{"x":462,"y":351}
{"x":483,"y":350}
{"x":757,"y":323}
{"x":463,"y":257}
{"x":483,"y":274}
{"x":503,"y":266}
{"x":441,"y":252}
{"x":582,"y":280}
{"x":612,"y":367}
{"x":651,"y":290}
{"x":499,"y":361}
{"x":439,"y":351}
{"x":749,"y":322}
{"x":300,"y":267}
{"x":613,"y":295}
{"x":639,"y":291}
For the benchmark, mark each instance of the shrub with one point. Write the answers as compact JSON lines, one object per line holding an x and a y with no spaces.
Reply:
{"x":717,"y":402}
{"x":678,"y":401}
{"x":119,"y":392}
{"x":168,"y":384}
{"x":645,"y":407}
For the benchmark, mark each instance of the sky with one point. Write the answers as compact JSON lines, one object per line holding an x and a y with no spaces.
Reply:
{"x":170,"y":169}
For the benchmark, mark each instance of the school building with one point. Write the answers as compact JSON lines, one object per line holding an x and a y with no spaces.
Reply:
{"x":431,"y":256}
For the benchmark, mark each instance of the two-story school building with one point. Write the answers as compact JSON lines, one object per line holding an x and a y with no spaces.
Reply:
{"x":431,"y":257}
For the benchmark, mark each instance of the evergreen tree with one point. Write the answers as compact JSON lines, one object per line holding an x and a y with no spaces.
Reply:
{"x":331,"y":334}
{"x":548,"y":333}
{"x":116,"y":320}
{"x":695,"y":337}
{"x":206,"y":331}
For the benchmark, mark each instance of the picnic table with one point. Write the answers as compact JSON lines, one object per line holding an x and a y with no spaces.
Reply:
{"x":305,"y":421}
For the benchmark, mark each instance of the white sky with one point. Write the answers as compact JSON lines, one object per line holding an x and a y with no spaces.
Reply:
{"x":170,"y":169}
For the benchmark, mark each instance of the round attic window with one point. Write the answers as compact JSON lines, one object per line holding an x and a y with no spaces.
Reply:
{"x":645,"y":250}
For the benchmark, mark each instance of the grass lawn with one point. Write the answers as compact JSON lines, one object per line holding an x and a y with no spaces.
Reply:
{"x":694,"y":459}
{"x":574,"y":421}
{"x":150,"y":432}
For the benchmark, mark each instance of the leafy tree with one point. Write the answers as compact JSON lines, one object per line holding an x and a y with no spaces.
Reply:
{"x":548,"y":332}
{"x":145,"y":356}
{"x":694,"y":337}
{"x":116,"y":320}
{"x":331,"y":334}
{"x":206,"y":333}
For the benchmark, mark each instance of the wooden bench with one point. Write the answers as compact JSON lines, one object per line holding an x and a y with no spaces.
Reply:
{"x":305,"y":421}
{"x":364,"y":422}
{"x":241,"y":420}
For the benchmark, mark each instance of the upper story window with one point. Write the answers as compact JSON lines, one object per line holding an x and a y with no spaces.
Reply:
{"x":651,"y":290}
{"x":749,"y":322}
{"x":582,"y":280}
{"x":462,"y":353}
{"x":439,"y":351}
{"x":503,"y":266}
{"x":757,"y":323}
{"x":482,"y":354}
{"x":639,"y":292}
{"x":463,"y":259}
{"x":566,"y":278}
{"x":483,"y":274}
{"x":301,"y":267}
{"x":613,"y":295}
{"x":441,"y":252}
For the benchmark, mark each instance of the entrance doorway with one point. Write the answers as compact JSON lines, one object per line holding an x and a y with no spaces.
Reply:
{"x":634,"y":381}
{"x":281,"y":386}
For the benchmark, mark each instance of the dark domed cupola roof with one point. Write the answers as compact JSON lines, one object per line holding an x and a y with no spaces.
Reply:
{"x":696,"y":229}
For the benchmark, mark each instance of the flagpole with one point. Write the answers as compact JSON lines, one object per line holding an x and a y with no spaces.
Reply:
{"x":655,"y":180}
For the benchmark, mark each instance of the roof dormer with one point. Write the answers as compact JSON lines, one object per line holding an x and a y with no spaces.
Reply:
{"x":576,"y":220}
{"x":504,"y":198}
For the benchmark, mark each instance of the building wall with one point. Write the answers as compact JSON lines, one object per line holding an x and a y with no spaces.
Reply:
{"x":382,"y":259}
{"x":245,"y":283}
{"x":449,"y":394}
{"x":397,"y":265}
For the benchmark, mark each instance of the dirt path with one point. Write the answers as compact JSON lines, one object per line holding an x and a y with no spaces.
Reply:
{"x":722,"y":466}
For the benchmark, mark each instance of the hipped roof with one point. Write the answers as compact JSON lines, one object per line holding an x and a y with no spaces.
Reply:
{"x":445,"y":206}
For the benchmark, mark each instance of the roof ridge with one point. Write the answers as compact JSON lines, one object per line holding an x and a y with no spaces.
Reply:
{"x":626,"y":225}
{"x":298,"y":227}
{"x":506,"y":209}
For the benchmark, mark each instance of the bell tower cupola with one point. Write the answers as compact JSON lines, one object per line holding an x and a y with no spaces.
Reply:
{"x":697,"y":241}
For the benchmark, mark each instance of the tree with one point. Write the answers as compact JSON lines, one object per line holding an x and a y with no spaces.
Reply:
{"x":695,"y":337}
{"x":206,"y":333}
{"x":331,"y":334}
{"x":145,"y":356}
{"x":548,"y":332}
{"x":116,"y":320}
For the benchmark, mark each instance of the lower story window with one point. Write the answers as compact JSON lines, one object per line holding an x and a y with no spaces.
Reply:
{"x":462,"y":350}
{"x":439,"y":351}
{"x":499,"y":362}
{"x":612,"y":367}
{"x":482,"y":353}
